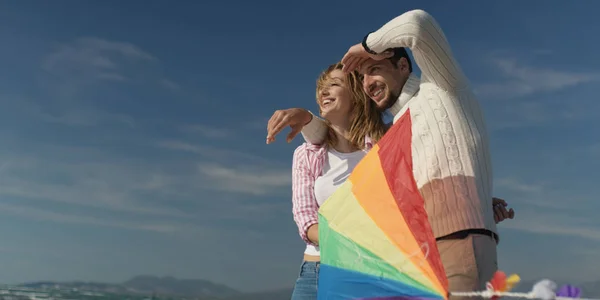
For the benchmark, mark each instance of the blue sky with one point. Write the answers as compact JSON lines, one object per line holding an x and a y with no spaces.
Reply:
{"x":133,"y":134}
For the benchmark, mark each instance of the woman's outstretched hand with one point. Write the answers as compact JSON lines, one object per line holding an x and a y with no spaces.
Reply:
{"x":296,"y":118}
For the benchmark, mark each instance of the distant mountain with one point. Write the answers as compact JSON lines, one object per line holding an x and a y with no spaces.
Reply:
{"x":79,"y":285}
{"x":184,"y":287}
{"x":282,"y":294}
{"x":206,"y":290}
{"x":148,"y":285}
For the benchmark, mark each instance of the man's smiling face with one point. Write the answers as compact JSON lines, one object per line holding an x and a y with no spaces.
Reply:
{"x":383,"y":81}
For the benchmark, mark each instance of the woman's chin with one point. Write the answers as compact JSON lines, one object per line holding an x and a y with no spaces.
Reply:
{"x":335,"y":117}
{"x":329,"y":114}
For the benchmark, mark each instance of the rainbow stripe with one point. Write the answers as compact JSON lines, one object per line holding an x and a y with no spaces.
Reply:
{"x":375,"y":238}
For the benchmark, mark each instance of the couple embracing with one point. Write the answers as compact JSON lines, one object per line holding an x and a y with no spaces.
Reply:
{"x":359,"y":99}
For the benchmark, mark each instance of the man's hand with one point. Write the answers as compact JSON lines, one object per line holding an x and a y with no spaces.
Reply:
{"x":296,"y":118}
{"x":357,"y":55}
{"x":500,"y":212}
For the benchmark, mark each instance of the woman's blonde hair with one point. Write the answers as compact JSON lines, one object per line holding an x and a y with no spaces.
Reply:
{"x":365,"y":119}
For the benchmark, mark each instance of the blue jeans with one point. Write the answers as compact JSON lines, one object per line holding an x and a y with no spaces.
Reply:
{"x":306,"y":284}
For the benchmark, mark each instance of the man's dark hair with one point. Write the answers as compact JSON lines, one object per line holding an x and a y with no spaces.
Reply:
{"x":398,"y":54}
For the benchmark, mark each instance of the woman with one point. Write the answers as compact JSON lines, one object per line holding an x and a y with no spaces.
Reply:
{"x":318,"y":170}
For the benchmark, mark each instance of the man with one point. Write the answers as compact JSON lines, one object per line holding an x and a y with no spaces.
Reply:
{"x":450,"y":148}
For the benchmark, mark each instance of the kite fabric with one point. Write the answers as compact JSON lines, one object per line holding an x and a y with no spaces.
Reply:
{"x":375,"y":239}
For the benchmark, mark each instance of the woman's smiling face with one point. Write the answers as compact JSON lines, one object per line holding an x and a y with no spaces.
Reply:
{"x":335,"y":99}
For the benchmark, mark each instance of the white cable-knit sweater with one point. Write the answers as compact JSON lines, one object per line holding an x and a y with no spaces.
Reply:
{"x":450,"y":148}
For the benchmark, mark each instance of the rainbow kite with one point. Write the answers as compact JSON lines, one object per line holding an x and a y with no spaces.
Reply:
{"x":374,"y":235}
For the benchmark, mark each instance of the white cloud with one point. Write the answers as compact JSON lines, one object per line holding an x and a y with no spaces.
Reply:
{"x":209,"y":131}
{"x":84,"y":185}
{"x":523,"y":114}
{"x":549,"y":209}
{"x":517,"y":80}
{"x":544,"y":195}
{"x":517,"y":185}
{"x":259,"y":124}
{"x":521,"y":79}
{"x":542,"y":51}
{"x":111,"y":186}
{"x":594,"y":150}
{"x":74,"y":78}
{"x":235,"y":171}
{"x":169,"y":195}
{"x":169,"y":84}
{"x":563,"y":224}
{"x":256,"y":180}
{"x":76,"y":114}
{"x":209,"y":152}
{"x":46,"y":215}
{"x":94,"y":58}
{"x":71,"y":80}
{"x":86,"y":117}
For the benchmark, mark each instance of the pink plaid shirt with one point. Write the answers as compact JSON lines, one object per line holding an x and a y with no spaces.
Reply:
{"x":306,"y":167}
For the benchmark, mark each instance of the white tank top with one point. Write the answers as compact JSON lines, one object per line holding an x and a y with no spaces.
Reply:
{"x":336,"y":169}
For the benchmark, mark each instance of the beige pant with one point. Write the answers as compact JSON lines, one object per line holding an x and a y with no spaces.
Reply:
{"x":469,"y":263}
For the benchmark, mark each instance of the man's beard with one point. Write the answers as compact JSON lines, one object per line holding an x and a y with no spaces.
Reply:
{"x":388,"y":102}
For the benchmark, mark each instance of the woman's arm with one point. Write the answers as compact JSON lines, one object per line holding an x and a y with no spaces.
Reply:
{"x":313,"y":234}
{"x":315,"y":131}
{"x":304,"y":204}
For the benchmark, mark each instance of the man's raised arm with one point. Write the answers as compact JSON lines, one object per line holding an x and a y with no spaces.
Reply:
{"x":420,"y":32}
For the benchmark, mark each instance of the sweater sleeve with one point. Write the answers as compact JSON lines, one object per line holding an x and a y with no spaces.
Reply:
{"x":315,"y":131}
{"x":420,"y":32}
{"x":304,"y":203}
